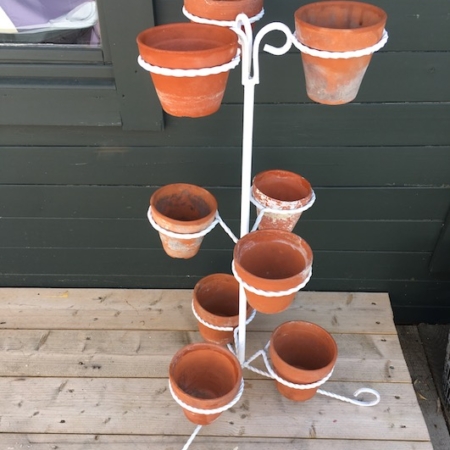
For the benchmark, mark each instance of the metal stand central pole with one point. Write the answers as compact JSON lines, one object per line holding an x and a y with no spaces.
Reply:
{"x":245,"y":34}
{"x":250,"y":64}
{"x":245,"y":203}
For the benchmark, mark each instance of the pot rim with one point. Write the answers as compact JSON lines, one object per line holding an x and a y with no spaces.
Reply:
{"x":312,"y":375}
{"x":293,"y":280}
{"x":200,"y":223}
{"x":223,"y":9}
{"x":382,"y":16}
{"x":278,"y":174}
{"x":206,"y":403}
{"x":209,"y":317}
{"x":338,"y":39}
{"x":226,"y":42}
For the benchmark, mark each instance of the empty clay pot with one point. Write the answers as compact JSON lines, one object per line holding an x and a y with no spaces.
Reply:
{"x":216,"y":301}
{"x":205,"y":376}
{"x":301,"y":353}
{"x":188,"y":46}
{"x":185,"y":209}
{"x":283,"y":190}
{"x":223,"y":9}
{"x":274,"y":261}
{"x":337,"y":26}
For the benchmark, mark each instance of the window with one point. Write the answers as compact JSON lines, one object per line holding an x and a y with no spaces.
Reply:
{"x":73,"y":63}
{"x":49,"y":22}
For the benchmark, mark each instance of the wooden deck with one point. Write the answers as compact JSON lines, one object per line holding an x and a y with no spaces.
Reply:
{"x":87,"y":369}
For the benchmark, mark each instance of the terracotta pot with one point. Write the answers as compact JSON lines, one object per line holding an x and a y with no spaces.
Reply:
{"x":205,"y":376}
{"x":216,"y":301}
{"x":188,"y":46}
{"x":274,"y":261}
{"x":337,"y":26}
{"x":301,"y":353}
{"x":223,"y":9}
{"x":184,"y":209}
{"x":280,"y":189}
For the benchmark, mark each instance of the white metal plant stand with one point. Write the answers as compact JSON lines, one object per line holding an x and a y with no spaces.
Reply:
{"x":250,"y":47}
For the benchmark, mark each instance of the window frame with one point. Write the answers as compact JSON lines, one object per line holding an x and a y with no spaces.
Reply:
{"x":73,"y":85}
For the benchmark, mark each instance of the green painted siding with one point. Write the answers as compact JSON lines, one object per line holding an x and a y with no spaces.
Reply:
{"x":75,"y":181}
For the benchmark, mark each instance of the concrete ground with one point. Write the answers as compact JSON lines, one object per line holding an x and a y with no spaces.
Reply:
{"x":424,"y":347}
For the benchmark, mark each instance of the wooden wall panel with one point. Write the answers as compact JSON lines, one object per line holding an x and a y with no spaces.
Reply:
{"x":328,"y":235}
{"x":73,"y":198}
{"x":131,"y":202}
{"x":287,"y":125}
{"x":221,"y":166}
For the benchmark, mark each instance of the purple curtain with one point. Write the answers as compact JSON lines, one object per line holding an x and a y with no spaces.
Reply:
{"x":26,"y":13}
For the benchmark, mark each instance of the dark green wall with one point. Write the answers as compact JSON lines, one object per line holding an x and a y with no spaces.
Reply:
{"x":73,"y":198}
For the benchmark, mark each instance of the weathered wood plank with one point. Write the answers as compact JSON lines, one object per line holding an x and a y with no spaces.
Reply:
{"x":116,"y":442}
{"x":162,"y":309}
{"x":139,"y":354}
{"x":427,"y":301}
{"x":413,"y":301}
{"x":94,"y":382}
{"x":133,"y":406}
